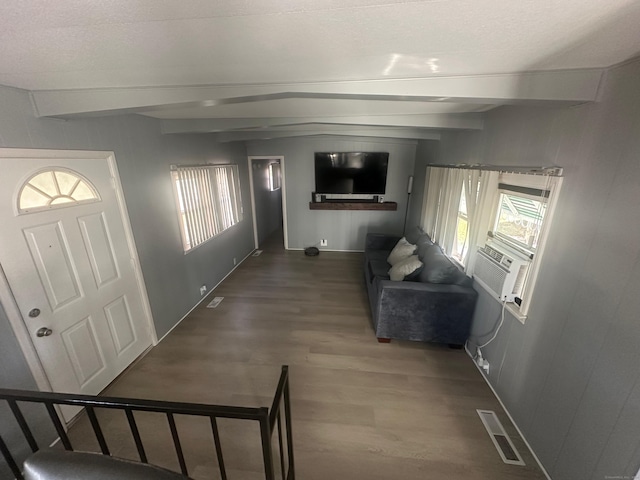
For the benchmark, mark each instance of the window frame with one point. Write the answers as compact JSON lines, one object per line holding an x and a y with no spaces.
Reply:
{"x":216,"y":202}
{"x":552,"y":185}
{"x":54,"y":170}
{"x":275,"y":176}
{"x":507,"y":239}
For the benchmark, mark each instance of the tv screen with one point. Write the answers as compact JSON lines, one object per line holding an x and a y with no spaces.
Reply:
{"x":351,"y":172}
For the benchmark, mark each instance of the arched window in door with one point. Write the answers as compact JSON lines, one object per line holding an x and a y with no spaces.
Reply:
{"x":55,"y":188}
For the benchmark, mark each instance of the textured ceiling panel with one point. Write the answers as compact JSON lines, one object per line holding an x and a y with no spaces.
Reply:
{"x":73,"y":13}
{"x":74,"y":44}
{"x":89,"y":50}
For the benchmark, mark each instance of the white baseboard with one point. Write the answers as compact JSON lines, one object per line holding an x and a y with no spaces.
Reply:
{"x":533,"y":454}
{"x":328,"y":250}
{"x":203,"y":298}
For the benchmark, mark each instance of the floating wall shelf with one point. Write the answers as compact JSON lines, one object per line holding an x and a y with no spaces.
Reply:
{"x":386,"y":206}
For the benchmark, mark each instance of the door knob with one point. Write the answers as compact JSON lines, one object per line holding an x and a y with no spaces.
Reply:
{"x":34,"y":312}
{"x":44,"y":332}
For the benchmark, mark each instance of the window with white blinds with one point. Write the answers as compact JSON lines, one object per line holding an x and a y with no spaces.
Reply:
{"x":208,"y":201}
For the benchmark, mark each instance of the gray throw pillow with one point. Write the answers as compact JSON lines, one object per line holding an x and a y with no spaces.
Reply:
{"x":424,"y":248}
{"x":424,"y":239}
{"x":414,"y":234}
{"x":438,"y":268}
{"x":405,"y":267}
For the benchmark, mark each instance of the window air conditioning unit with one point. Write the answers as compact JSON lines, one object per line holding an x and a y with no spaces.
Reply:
{"x":501,"y":270}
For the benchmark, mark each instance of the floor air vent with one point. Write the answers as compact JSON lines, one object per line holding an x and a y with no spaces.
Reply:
{"x":215,"y":302}
{"x":499,"y":437}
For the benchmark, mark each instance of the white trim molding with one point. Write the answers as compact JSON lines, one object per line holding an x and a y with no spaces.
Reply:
{"x":283,"y":187}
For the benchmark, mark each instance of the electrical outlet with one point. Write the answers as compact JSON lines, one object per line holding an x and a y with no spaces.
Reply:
{"x":323,"y":242}
{"x":203,"y":290}
{"x":482,"y":362}
{"x":479,"y":358}
{"x":234,"y":261}
{"x":485,"y":366}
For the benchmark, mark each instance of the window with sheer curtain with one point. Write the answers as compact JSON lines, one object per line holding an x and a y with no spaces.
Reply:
{"x":465,"y":208}
{"x":458,"y":209}
{"x":208,"y":201}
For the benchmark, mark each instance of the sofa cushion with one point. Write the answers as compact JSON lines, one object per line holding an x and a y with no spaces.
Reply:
{"x":377,"y":255}
{"x":438,"y":268}
{"x":413,"y":234}
{"x":378,"y":268}
{"x":417,"y":236}
{"x":405,"y":267}
{"x":423,"y":239}
{"x":424,"y":248}
{"x":402,"y":250}
{"x":463,"y":280}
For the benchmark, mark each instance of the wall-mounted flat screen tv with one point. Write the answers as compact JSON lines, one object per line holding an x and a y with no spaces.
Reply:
{"x":351,"y":172}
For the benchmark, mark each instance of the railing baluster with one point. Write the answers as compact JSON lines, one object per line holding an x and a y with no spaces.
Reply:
{"x":10,"y":461}
{"x":176,"y":443}
{"x":26,"y":431}
{"x":98,"y":431}
{"x":59,"y":427}
{"x":136,"y":435}
{"x":280,"y":444}
{"x":291,"y":474}
{"x":265,"y":435}
{"x":216,"y":441}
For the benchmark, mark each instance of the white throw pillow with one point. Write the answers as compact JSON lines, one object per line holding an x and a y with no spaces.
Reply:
{"x":402,"y":250}
{"x":404,"y":267}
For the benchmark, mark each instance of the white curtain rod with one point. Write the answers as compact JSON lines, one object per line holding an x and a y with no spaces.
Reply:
{"x":550,"y":171}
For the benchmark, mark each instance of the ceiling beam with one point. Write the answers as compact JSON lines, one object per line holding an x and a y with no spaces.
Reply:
{"x":467,"y":121}
{"x":566,"y":87}
{"x":404,"y":134}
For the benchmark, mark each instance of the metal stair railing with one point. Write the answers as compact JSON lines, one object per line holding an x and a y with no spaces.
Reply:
{"x":270,"y":421}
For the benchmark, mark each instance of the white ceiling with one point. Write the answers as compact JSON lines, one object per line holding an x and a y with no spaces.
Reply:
{"x":108,"y":56}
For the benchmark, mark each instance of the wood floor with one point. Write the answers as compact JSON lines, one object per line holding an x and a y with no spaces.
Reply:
{"x":361,"y":410}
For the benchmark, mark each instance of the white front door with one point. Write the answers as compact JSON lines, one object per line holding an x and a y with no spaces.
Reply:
{"x":65,"y":254}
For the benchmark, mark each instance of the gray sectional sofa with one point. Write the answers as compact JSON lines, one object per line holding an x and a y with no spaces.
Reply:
{"x":433,"y":304}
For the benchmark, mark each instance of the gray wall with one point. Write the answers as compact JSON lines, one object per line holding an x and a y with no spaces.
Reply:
{"x":344,"y":230}
{"x":268,"y":204}
{"x":570,"y":375}
{"x":143,"y":156}
{"x":426,"y":153}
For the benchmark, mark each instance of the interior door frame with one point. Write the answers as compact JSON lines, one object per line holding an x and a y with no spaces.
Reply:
{"x":6,"y":295}
{"x":283,"y":188}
